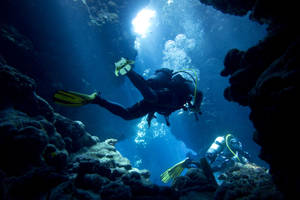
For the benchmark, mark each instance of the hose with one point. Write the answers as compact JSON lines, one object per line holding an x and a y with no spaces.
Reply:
{"x":226,"y":141}
{"x":195,"y":80}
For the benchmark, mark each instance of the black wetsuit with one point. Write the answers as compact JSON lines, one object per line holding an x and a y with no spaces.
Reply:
{"x":163,"y":94}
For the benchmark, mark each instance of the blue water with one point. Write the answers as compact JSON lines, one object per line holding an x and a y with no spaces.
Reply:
{"x":187,"y":34}
{"x":183,"y":34}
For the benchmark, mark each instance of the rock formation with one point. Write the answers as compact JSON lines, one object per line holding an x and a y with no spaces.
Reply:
{"x":265,"y":78}
{"x":247,"y":182}
{"x":46,"y":155}
{"x":36,"y":37}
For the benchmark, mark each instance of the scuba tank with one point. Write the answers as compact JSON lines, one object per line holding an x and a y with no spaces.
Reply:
{"x":161,"y":78}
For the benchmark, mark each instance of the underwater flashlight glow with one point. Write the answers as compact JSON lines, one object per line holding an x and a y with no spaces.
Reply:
{"x":141,"y":22}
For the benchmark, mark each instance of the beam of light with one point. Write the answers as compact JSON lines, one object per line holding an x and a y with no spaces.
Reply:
{"x":170,"y":2}
{"x":142,"y":21}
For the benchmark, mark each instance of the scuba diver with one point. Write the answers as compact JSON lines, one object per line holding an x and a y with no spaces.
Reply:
{"x":223,"y":153}
{"x":164,"y":92}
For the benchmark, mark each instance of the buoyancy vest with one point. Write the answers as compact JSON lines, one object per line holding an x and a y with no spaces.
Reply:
{"x":161,"y":79}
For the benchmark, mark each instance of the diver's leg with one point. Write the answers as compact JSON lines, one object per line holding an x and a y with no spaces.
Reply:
{"x":141,"y":84}
{"x":137,"y":110}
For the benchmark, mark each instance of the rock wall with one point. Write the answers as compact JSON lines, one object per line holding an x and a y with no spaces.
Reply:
{"x":45,"y":155}
{"x":265,"y":78}
{"x":69,"y":44}
{"x":43,"y":35}
{"x":247,"y":181}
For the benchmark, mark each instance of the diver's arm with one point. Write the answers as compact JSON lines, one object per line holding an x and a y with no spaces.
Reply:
{"x":245,"y":156}
{"x":198,"y":100}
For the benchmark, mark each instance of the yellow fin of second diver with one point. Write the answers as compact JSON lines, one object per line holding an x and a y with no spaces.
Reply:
{"x":70,"y":98}
{"x":173,"y":172}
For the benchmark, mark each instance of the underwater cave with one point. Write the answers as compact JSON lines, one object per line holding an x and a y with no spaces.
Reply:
{"x":148,"y":99}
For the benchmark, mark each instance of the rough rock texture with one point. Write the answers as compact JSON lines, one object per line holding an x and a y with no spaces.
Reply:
{"x":41,"y":47}
{"x":114,"y":16}
{"x":197,"y":183}
{"x":45,"y":155}
{"x":56,"y":42}
{"x":102,"y":169}
{"x":266,"y":78}
{"x":247,"y":182}
{"x":108,"y":16}
{"x":234,"y":7}
{"x":42,"y":149}
{"x":33,"y":151}
{"x":261,"y":10}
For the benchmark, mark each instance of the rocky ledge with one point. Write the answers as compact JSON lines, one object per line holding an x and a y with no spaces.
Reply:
{"x":48,"y":156}
{"x":45,"y":155}
{"x":266,"y":78}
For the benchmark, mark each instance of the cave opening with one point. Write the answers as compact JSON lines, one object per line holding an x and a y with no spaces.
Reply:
{"x":189,"y":34}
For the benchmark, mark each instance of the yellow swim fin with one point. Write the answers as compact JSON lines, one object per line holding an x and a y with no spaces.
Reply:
{"x":73,"y":99}
{"x":123,"y":66}
{"x":173,"y":172}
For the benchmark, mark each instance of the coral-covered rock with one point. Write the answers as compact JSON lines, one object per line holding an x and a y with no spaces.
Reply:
{"x":93,"y":182}
{"x":276,"y":12}
{"x":54,"y":137}
{"x":16,"y":86}
{"x":39,"y":107}
{"x":25,"y":187}
{"x":197,"y":176}
{"x":261,"y":11}
{"x":234,"y":7}
{"x":31,"y":48}
{"x":232,"y":62}
{"x":22,"y":141}
{"x":249,"y":182}
{"x":194,"y":180}
{"x":2,"y":186}
{"x":181,"y":183}
{"x":116,"y":190}
{"x":74,"y":131}
{"x":106,"y":153}
{"x":55,"y":157}
{"x":14,"y":44}
{"x":20,"y":93}
{"x":274,"y":102}
{"x":102,"y":168}
{"x":45,"y":150}
{"x":145,"y":173}
{"x":2,"y":60}
{"x":105,"y":160}
{"x":264,"y":78}
{"x":93,"y":165}
{"x":139,"y":186}
{"x":246,"y":67}
{"x":67,"y":190}
{"x":197,"y":183}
